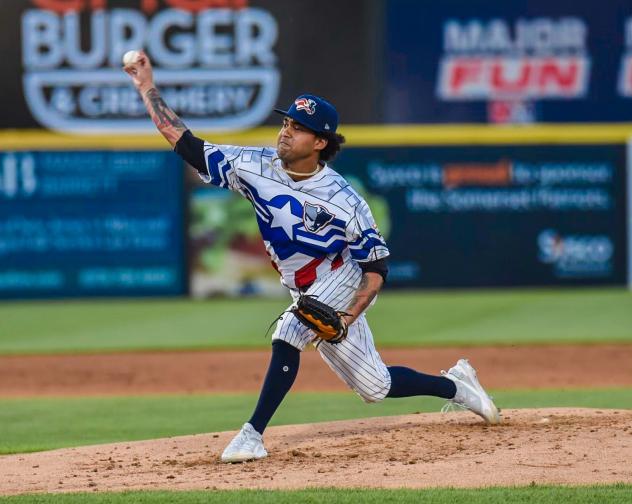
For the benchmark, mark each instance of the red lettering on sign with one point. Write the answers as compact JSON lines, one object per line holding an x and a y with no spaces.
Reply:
{"x":499,"y":112}
{"x":527,"y":77}
{"x":477,"y":174}
{"x":147,"y":6}
{"x":464,"y":72}
{"x":503,"y":83}
{"x":556,"y":76}
{"x":63,"y":6}
{"x":199,"y":5}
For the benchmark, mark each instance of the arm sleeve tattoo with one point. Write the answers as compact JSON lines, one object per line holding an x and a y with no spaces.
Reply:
{"x":165,"y":119}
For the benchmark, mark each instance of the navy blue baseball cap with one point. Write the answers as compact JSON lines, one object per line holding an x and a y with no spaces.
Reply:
{"x":314,"y":113}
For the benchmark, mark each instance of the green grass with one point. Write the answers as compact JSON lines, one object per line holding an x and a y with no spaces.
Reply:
{"x":398,"y":319}
{"x":43,"y":424}
{"x":499,"y":495}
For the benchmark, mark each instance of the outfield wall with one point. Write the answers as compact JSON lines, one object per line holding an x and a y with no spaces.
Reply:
{"x":460,"y":206}
{"x":462,"y":202}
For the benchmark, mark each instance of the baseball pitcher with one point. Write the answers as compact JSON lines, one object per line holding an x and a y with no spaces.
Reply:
{"x":323,"y":241}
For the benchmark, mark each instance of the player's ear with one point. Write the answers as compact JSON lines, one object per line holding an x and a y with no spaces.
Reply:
{"x":320,"y":143}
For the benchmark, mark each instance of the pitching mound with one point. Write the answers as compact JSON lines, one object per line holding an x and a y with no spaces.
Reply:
{"x":547,"y":446}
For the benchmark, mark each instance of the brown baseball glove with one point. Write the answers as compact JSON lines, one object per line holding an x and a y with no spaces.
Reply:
{"x":327,"y":323}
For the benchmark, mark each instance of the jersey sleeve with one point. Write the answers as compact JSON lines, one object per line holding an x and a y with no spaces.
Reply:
{"x":222,"y":166}
{"x":365,"y":241}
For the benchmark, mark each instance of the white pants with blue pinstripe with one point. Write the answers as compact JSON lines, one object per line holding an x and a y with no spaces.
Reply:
{"x":355,"y":360}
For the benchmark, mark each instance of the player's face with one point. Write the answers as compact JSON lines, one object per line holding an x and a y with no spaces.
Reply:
{"x":296,"y":142}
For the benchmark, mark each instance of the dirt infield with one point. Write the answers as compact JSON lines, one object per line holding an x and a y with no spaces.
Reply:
{"x":183,"y":372}
{"x":548,"y":446}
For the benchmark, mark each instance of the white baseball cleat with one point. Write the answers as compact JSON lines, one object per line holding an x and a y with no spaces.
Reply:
{"x":469,"y":392}
{"x":246,"y":445}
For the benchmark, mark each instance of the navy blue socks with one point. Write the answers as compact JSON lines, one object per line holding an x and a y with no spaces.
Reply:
{"x":278,"y":381}
{"x":284,"y":364}
{"x":406,"y":382}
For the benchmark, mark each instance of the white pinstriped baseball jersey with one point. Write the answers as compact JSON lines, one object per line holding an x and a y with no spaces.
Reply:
{"x":309,"y":227}
{"x":316,"y":231}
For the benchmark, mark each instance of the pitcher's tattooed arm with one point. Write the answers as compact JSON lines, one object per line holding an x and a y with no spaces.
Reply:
{"x":370,"y":285}
{"x":165,"y":119}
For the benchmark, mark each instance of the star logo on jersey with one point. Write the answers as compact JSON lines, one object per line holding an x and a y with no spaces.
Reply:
{"x":306,"y":104}
{"x":284,"y":218}
{"x":316,"y":217}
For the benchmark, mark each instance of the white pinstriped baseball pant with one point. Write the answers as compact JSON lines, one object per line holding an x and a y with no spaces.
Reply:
{"x":355,"y":360}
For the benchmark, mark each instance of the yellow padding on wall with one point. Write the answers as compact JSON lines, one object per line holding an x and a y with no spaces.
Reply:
{"x":357,"y":135}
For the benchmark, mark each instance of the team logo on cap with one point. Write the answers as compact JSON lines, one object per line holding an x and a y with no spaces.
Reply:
{"x":316,"y":217}
{"x":306,"y":104}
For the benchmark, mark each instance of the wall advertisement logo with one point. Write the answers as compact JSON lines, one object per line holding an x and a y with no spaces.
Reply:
{"x":541,"y":58}
{"x":576,"y":256}
{"x":215,"y":67}
{"x":512,"y":64}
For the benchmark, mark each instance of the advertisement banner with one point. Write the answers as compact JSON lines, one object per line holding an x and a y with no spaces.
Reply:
{"x":91,"y":224}
{"x":455,"y":216}
{"x":220,"y":64}
{"x":499,"y":216}
{"x":508,"y":62}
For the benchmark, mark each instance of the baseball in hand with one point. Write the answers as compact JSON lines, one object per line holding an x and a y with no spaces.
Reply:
{"x":130,"y":57}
